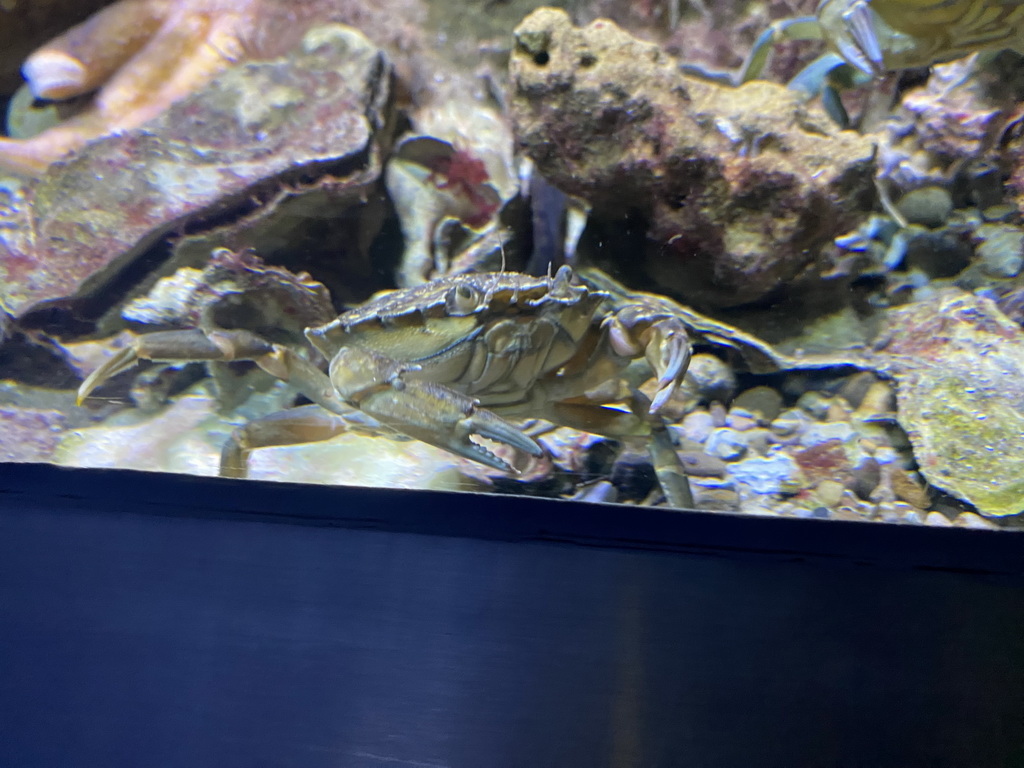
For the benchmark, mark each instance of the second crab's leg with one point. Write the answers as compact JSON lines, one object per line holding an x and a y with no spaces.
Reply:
{"x":379,"y":387}
{"x":800,"y":28}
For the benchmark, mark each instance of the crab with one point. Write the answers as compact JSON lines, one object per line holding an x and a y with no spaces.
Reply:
{"x":867,"y":38}
{"x":452,"y":360}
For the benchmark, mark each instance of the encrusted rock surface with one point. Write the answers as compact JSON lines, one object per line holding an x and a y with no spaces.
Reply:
{"x":959,"y":365}
{"x":258,"y":126}
{"x":743,"y":188}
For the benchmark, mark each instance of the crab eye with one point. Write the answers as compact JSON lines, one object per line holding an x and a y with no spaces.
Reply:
{"x":463,"y":300}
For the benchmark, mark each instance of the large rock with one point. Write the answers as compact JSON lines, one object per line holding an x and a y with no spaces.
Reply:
{"x":215,"y":156}
{"x":743,"y":188}
{"x":959,"y":365}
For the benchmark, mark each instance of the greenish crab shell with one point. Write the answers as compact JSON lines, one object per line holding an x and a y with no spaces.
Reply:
{"x":491,"y":336}
{"x":887,"y":35}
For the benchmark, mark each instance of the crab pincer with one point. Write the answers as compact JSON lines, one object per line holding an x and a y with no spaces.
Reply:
{"x":434,"y":413}
{"x":662,"y":339}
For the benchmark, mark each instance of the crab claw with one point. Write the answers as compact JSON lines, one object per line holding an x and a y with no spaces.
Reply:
{"x":118,"y":363}
{"x":669,"y":354}
{"x":424,"y":410}
{"x":662,"y":339}
{"x":480,"y":421}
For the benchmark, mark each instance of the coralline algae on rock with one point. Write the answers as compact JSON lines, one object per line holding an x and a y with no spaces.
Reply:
{"x":959,"y":365}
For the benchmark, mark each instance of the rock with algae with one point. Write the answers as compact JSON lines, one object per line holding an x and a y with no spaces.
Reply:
{"x":744,"y":188}
{"x":959,"y":365}
{"x":256,"y":127}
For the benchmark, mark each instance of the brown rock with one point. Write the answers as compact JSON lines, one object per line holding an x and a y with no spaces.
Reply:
{"x":743,"y":188}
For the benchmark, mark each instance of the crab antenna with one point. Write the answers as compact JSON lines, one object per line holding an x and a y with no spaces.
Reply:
{"x":494,"y":280}
{"x":501,"y":247}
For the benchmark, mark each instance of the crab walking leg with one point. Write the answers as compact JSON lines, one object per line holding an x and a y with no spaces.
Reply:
{"x":304,"y":424}
{"x":223,"y":346}
{"x":637,"y":422}
{"x":669,"y":469}
{"x":799,"y":28}
{"x":425,"y":410}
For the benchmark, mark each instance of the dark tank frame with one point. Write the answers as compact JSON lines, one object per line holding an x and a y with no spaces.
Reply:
{"x":150,"y":619}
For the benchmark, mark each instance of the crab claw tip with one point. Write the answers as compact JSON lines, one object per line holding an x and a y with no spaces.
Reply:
{"x":486,"y":424}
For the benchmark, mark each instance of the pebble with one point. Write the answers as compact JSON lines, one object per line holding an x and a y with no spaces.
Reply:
{"x":867,"y":474}
{"x":908,"y":489}
{"x":764,"y":402}
{"x":838,"y":410}
{"x":699,"y":464}
{"x":725,"y":443}
{"x":830,"y":492}
{"x":719,"y":416}
{"x":758,"y":440}
{"x":1001,"y":250}
{"x":974,"y":520}
{"x":600,"y":492}
{"x":696,"y":426}
{"x":741,"y":419}
{"x":900,"y":512}
{"x":937,"y":254}
{"x":715,"y":498}
{"x":929,"y":206}
{"x":632,"y":475}
{"x":789,"y":423}
{"x":880,"y":398}
{"x":777,"y":473}
{"x":856,"y":387}
{"x":938,"y":519}
{"x":842,"y":431}
{"x":711,"y":378}
{"x":887,"y":455}
{"x":814,"y":403}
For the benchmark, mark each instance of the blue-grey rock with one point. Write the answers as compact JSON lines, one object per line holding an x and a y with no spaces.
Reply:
{"x":777,"y":473}
{"x":726,"y":443}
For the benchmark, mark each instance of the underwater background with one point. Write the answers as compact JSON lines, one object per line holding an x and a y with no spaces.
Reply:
{"x":744,"y":257}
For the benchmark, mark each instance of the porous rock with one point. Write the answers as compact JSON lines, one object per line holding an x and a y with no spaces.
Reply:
{"x":743,"y":188}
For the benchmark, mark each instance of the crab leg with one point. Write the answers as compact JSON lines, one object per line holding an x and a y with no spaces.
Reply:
{"x":305,"y":424}
{"x":223,"y":346}
{"x":639,"y":421}
{"x":167,"y":346}
{"x":663,"y":340}
{"x":425,"y":410}
{"x":669,"y":469}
